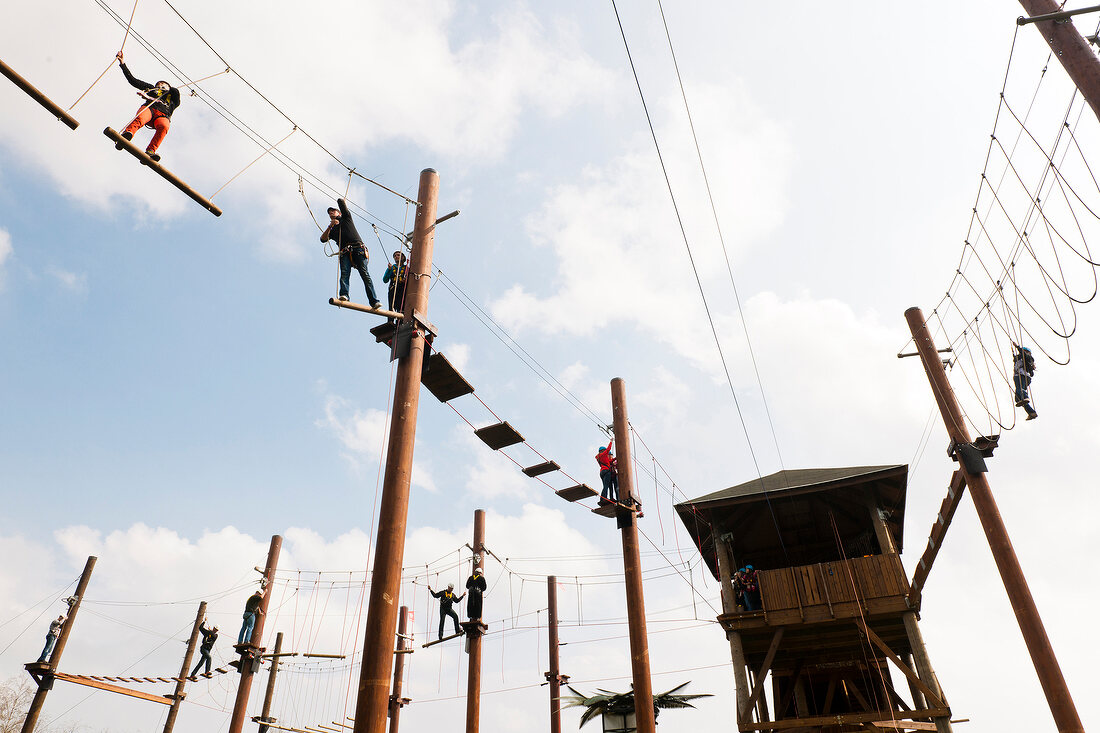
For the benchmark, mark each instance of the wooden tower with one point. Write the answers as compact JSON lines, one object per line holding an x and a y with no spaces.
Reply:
{"x":837,"y":632}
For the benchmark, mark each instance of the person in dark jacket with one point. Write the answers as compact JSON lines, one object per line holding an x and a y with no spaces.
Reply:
{"x":341,"y":229}
{"x":252,"y":611}
{"x":161,"y":101}
{"x":447,"y":599}
{"x":209,"y":636}
{"x":1023,"y":369}
{"x":396,"y":275}
{"x":608,"y":474}
{"x":476,"y":587}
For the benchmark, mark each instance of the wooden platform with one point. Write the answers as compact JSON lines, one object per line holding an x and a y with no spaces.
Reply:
{"x":576,"y":493}
{"x":541,"y":468}
{"x":445,"y":638}
{"x":162,"y":171}
{"x":499,"y":436}
{"x":443,"y":380}
{"x":379,"y":311}
{"x":38,"y":96}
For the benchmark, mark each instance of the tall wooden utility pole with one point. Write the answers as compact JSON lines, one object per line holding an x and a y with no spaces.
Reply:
{"x":45,"y":680}
{"x":378,"y":644}
{"x":474,"y":629}
{"x":632,"y":565}
{"x":403,"y":647}
{"x":1071,"y":50}
{"x":269,"y":695}
{"x":185,"y":669}
{"x":554,"y":676}
{"x":250,"y":659}
{"x":1031,"y":626}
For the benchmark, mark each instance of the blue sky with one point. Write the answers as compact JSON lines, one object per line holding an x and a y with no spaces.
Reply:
{"x":175,"y":387}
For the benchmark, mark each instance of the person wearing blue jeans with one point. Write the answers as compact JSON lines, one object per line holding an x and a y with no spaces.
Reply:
{"x":341,"y":229}
{"x":251,"y":611}
{"x":51,"y":638}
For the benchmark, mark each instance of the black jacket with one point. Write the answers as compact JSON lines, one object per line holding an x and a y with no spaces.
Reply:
{"x":208,"y":638}
{"x":446,"y":599}
{"x":345,"y":234}
{"x":166,"y":101}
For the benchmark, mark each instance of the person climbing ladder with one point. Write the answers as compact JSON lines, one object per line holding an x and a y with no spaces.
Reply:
{"x":447,"y":599}
{"x":161,"y":101}
{"x":1023,"y":368}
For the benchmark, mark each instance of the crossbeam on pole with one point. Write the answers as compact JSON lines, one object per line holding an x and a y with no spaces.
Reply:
{"x":162,"y":171}
{"x":379,"y":311}
{"x":106,"y":687}
{"x":38,"y":96}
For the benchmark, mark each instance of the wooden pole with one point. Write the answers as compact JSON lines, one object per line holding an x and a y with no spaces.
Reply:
{"x":632,"y":567}
{"x":38,"y":96}
{"x":378,"y":644}
{"x":1071,"y":50}
{"x":737,"y":648}
{"x":250,"y":659}
{"x":396,"y":703}
{"x":269,"y":694}
{"x":473,"y":679}
{"x":46,"y":682}
{"x":1050,"y":676}
{"x":554,"y":675}
{"x":185,"y":669}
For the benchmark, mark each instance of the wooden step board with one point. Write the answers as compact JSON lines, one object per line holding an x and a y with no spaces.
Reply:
{"x":445,"y":638}
{"x":541,"y":468}
{"x":443,"y":380}
{"x":576,"y":493}
{"x":499,"y":436}
{"x":379,"y":311}
{"x":162,"y":171}
{"x":38,"y":96}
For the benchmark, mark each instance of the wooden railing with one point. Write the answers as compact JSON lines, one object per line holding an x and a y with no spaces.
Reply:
{"x":841,"y":589}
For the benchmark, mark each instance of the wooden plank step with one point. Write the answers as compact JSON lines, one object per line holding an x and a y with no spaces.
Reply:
{"x":445,"y":638}
{"x":541,"y":468}
{"x":576,"y":493}
{"x":161,"y":171}
{"x":499,"y":436}
{"x":443,"y":380}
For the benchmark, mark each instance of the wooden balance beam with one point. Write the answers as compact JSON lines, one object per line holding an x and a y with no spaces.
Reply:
{"x":38,"y":96}
{"x":88,"y":682}
{"x":445,"y":638}
{"x":379,"y":311}
{"x":162,"y":171}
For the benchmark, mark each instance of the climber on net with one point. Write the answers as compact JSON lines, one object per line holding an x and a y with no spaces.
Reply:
{"x":161,"y":101}
{"x":209,"y":636}
{"x":1023,"y":368}
{"x":341,"y":229}
{"x":447,"y":599}
{"x":609,"y":474}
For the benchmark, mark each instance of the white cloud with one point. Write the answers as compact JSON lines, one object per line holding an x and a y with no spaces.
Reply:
{"x":71,"y":281}
{"x":363,"y":435}
{"x":6,"y":252}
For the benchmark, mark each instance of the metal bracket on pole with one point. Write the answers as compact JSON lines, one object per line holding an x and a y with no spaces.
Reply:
{"x":1062,"y":16}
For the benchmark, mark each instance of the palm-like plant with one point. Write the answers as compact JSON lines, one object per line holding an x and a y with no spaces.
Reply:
{"x":621,"y":704}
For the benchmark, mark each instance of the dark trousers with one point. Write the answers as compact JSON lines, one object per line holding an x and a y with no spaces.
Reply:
{"x":610,"y":484}
{"x":355,"y":255}
{"x":443,"y":614}
{"x":1022,"y":382}
{"x":204,"y":657}
{"x":397,"y":296}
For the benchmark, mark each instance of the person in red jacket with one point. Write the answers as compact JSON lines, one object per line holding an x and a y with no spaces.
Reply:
{"x":161,"y":101}
{"x":609,"y":474}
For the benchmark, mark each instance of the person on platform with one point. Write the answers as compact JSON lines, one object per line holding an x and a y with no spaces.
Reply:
{"x":476,"y":587}
{"x":209,"y":636}
{"x":750,"y":588}
{"x":341,"y":229}
{"x":161,"y":101}
{"x":736,"y":581}
{"x":396,"y":275}
{"x":608,"y":474}
{"x":1023,"y":369}
{"x":51,"y":638}
{"x":252,"y":611}
{"x":447,"y":599}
